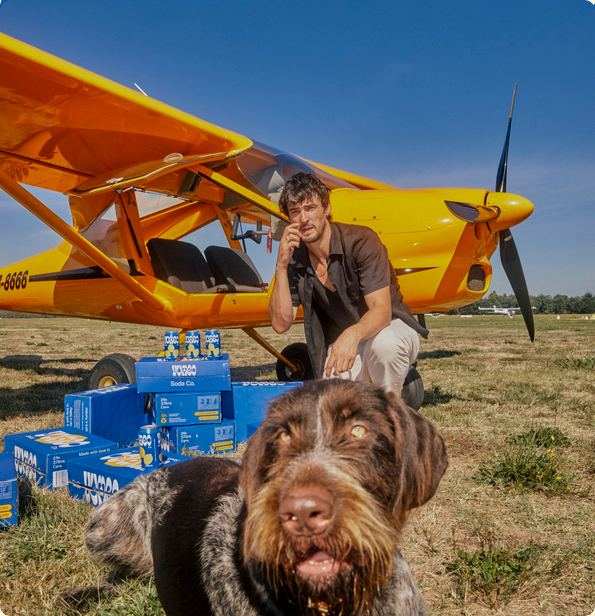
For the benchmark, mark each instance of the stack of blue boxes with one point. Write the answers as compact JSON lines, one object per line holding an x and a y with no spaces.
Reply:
{"x":197,"y":407}
{"x":185,"y":402}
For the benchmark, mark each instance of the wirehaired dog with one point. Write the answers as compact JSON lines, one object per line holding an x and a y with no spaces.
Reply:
{"x":308,"y":524}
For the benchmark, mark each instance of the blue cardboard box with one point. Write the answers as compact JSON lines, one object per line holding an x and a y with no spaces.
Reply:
{"x":186,"y":409}
{"x":9,"y":502}
{"x":42,"y":456}
{"x":204,"y":439}
{"x":251,"y":429}
{"x":96,"y":478}
{"x":160,"y":375}
{"x":248,"y":402}
{"x":115,"y":413}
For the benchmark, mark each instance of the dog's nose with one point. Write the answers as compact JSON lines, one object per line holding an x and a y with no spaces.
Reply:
{"x":306,"y":511}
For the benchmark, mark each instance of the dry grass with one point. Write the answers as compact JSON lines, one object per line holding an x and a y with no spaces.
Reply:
{"x":476,"y":549}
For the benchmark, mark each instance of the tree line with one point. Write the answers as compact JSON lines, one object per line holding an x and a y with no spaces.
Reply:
{"x":543,"y":304}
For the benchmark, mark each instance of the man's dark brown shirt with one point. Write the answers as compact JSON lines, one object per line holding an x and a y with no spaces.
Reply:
{"x":358,"y":265}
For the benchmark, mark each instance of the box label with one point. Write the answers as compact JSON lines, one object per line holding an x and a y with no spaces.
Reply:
{"x":61,"y":439}
{"x":6,"y":489}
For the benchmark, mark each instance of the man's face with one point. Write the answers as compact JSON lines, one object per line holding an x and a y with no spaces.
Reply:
{"x":311,"y":217}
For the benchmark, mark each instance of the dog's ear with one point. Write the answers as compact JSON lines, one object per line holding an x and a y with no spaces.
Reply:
{"x":421,"y":455}
{"x":251,"y":464}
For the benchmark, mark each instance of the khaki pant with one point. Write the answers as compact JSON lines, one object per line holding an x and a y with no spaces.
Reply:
{"x":385,"y":358}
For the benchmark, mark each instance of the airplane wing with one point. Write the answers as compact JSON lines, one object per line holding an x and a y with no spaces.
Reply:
{"x":66,"y":129}
{"x":61,"y":125}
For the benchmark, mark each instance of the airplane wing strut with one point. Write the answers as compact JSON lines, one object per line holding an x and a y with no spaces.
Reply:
{"x":36,"y":207}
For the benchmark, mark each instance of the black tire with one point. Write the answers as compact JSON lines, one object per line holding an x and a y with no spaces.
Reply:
{"x":413,"y":389}
{"x":112,"y":370}
{"x":298,"y":355}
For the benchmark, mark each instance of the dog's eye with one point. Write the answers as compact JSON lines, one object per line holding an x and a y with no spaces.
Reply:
{"x":358,"y":431}
{"x":284,"y":437}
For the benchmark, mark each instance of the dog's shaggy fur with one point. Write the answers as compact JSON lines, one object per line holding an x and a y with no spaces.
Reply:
{"x":308,"y":524}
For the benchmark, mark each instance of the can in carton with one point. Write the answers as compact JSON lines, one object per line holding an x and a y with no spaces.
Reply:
{"x":171,"y":345}
{"x":213,"y":344}
{"x":149,"y":447}
{"x":193,"y":344}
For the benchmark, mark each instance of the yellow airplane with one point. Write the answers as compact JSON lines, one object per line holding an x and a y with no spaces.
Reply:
{"x":141,"y":175}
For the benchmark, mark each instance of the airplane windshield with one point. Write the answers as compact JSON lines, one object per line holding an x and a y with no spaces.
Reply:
{"x":267,"y":169}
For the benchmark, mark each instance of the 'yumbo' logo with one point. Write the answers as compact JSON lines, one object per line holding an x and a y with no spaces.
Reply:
{"x":100,"y":483}
{"x":25,"y":456}
{"x":61,"y":439}
{"x":183,"y":370}
{"x":169,"y":339}
{"x":145,"y":440}
{"x":129,"y":459}
{"x":212,"y":338}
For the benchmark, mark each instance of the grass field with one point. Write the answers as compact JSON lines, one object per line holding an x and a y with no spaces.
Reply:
{"x":510,"y":531}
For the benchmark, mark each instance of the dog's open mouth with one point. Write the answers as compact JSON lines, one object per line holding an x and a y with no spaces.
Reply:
{"x":316,"y":563}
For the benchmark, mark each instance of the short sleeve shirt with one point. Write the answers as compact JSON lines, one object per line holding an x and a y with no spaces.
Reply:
{"x":358,"y":265}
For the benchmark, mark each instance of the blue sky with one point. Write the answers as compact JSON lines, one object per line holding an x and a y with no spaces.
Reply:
{"x":413,"y":94}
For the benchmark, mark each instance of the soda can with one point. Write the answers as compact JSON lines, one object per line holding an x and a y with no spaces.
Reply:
{"x":213,"y":344}
{"x":149,"y":447}
{"x":193,"y":344}
{"x":171,"y":345}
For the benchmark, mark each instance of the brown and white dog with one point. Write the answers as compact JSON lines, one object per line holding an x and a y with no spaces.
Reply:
{"x":308,"y":524}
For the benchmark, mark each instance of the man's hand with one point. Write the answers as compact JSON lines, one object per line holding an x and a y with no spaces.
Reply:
{"x":289,"y":242}
{"x":343,"y":352}
{"x":281,"y":310}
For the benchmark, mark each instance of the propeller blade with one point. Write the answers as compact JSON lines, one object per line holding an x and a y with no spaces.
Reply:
{"x":514,"y":270}
{"x":503,"y":167}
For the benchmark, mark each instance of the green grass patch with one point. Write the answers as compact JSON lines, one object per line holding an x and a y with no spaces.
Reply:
{"x":576,"y":363}
{"x":541,"y":436}
{"x":493,"y":573}
{"x":527,"y":465}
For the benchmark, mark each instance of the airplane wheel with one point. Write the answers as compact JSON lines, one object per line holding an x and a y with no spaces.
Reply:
{"x":298,"y":355}
{"x":112,"y":370}
{"x":413,"y":389}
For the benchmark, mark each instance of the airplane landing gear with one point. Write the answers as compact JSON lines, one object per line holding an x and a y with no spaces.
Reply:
{"x":112,"y":370}
{"x":413,"y":389}
{"x":298,"y":355}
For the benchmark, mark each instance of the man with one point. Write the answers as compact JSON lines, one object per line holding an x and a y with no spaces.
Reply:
{"x":355,"y":321}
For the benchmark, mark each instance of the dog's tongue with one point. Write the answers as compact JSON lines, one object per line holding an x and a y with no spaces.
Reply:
{"x":318,"y":563}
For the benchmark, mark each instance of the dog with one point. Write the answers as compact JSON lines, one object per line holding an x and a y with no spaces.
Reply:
{"x":307,"y":524}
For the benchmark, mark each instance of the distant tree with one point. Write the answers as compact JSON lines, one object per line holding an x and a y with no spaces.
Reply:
{"x":560,"y":304}
{"x":588,"y":303}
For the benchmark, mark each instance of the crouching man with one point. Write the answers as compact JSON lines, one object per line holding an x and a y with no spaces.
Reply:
{"x":356,"y":323}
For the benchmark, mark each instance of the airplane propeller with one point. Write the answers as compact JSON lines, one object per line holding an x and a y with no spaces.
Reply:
{"x":509,"y":255}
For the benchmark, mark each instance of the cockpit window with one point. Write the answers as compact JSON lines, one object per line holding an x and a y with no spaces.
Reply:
{"x":267,"y":169}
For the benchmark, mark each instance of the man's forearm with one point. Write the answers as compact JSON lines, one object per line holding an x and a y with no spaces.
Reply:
{"x":375,"y":320}
{"x":281,"y":309}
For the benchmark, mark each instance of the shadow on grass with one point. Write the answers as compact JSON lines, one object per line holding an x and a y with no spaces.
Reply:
{"x":439,"y":354}
{"x":262,"y":372}
{"x":436,"y":397}
{"x":22,"y":363}
{"x":40,"y":397}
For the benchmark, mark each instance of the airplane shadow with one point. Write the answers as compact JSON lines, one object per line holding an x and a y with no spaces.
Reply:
{"x":35,"y":362}
{"x":436,"y":397}
{"x":439,"y":354}
{"x":40,"y":398}
{"x":254,"y":373}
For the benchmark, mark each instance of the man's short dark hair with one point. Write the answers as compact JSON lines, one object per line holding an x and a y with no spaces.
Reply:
{"x":302,"y":186}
